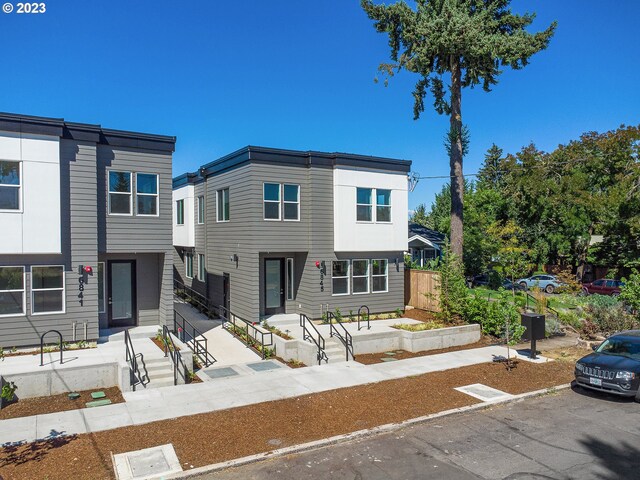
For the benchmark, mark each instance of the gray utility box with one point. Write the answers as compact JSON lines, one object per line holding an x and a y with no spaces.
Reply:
{"x":534,"y":326}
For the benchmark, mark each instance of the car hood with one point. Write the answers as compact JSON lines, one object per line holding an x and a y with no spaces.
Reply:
{"x":613,"y":362}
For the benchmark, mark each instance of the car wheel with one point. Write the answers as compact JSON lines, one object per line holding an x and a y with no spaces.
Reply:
{"x":549,"y":289}
{"x":583,"y":293}
{"x":523,"y":285}
{"x":615,"y":294}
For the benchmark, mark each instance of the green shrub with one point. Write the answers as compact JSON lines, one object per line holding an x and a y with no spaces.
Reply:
{"x":492,"y":317}
{"x":611,"y":319}
{"x":571,"y":319}
{"x":601,"y":301}
{"x":630,"y":292}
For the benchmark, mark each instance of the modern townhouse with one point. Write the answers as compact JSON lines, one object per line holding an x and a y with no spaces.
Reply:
{"x":266,"y":231}
{"x":86,"y":229}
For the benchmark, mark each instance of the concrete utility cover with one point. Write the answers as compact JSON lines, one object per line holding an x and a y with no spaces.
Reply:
{"x":263,"y":366}
{"x":147,"y":463}
{"x":220,"y":372}
{"x":484,"y":393}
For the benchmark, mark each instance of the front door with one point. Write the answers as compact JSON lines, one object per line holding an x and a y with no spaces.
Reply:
{"x":273,"y":286}
{"x":122,"y":293}
{"x":226,"y":291}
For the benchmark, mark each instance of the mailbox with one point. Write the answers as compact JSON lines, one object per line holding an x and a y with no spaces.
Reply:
{"x":534,"y":330}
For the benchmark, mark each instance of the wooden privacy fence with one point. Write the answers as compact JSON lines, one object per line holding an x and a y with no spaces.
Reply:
{"x":420,"y":289}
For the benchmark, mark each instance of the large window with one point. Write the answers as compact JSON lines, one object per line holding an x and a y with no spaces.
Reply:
{"x":223,"y":205}
{"x":340,"y":277}
{"x":200,"y":209}
{"x":360,"y":274}
{"x":101,"y":288}
{"x":291,"y":204}
{"x":180,"y":212}
{"x":201,"y":270}
{"x":271,"y":197}
{"x":119,"y":193}
{"x":188,"y":264}
{"x":290,"y":294}
{"x":363,"y":205}
{"x":147,"y":193}
{"x":383,"y":205}
{"x":379,"y":270}
{"x":47,"y":289}
{"x":10,"y":185}
{"x":11,"y":291}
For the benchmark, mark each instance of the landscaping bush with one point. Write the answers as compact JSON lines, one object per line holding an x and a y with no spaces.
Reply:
{"x":604,"y":301}
{"x":610,"y":319}
{"x":630,"y":293}
{"x":492,"y":317}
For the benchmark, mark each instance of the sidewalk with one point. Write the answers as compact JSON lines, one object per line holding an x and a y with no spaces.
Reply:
{"x":176,"y":401}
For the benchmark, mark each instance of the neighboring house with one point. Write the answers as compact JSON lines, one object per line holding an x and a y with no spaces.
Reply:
{"x":266,"y":231}
{"x":86,"y":229}
{"x":424,"y":243}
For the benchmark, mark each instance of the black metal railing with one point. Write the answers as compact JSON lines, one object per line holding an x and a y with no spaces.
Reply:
{"x":195,"y":299}
{"x":310,"y":332}
{"x":132,"y":360}
{"x":192,"y":338}
{"x":247,"y":332}
{"x":366,"y":317}
{"x":171,"y":351}
{"x":61,"y":345}
{"x":337,"y":328}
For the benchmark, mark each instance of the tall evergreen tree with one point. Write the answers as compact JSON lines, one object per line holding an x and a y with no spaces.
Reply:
{"x":468,"y":41}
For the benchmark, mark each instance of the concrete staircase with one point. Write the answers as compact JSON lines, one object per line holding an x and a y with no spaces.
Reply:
{"x":159,"y":372}
{"x":335,"y":350}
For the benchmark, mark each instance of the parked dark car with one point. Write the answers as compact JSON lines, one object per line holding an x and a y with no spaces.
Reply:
{"x":509,"y":285}
{"x":481,"y":280}
{"x":613,"y":367}
{"x":603,"y":287}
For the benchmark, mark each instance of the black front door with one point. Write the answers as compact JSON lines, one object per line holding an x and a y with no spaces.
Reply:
{"x":273,"y":286}
{"x":226,"y":291}
{"x":122,"y":293}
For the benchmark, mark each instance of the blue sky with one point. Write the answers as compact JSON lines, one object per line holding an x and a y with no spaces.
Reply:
{"x":299,"y":74}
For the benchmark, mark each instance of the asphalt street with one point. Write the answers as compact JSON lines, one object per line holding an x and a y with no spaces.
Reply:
{"x":566,"y":435}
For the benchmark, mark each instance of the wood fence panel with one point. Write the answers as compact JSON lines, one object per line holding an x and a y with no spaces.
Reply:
{"x":420,"y":289}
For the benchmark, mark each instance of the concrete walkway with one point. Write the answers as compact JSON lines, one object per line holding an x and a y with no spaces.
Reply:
{"x":176,"y":401}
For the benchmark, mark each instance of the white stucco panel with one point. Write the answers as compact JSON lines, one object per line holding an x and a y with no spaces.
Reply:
{"x":353,"y":236}
{"x":184,"y":235}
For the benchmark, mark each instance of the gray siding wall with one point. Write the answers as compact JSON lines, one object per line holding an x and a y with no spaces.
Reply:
{"x":79,"y":247}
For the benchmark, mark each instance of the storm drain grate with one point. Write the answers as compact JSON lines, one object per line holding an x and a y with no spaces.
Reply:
{"x":220,"y":372}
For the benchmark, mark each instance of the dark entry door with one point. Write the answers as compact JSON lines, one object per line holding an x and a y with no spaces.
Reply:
{"x":273,"y":286}
{"x":226,"y":291}
{"x":122,"y":293}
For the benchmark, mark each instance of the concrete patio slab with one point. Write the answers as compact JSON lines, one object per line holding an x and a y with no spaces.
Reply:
{"x":155,"y":462}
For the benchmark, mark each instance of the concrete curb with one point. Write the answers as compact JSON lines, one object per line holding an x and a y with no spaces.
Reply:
{"x":360,"y":434}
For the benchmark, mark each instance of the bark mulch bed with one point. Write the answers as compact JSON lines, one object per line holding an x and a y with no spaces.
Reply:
{"x":263,"y":427}
{"x":371,"y":358}
{"x":421,"y":315}
{"x":56,"y":403}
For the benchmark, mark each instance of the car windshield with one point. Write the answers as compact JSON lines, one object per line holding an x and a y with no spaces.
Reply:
{"x":621,"y":346}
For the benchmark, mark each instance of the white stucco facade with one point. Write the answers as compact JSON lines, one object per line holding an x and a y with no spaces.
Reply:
{"x":184,"y":235}
{"x":351,"y":235}
{"x":35,"y":226}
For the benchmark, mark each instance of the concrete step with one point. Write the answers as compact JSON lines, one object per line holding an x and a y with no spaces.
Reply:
{"x":164,"y":382}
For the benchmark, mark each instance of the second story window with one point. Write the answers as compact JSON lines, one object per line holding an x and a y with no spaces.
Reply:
{"x":223,"y":205}
{"x":200,"y":209}
{"x":10,"y":185}
{"x":180,"y":212}
{"x":364,"y":206}
{"x":119,"y":193}
{"x":383,"y":205}
{"x":271,"y":197}
{"x":291,"y":203}
{"x":147,"y":194}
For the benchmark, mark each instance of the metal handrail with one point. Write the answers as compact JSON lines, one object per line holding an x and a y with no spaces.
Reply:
{"x":346,"y":339}
{"x":42,"y":346}
{"x":315,"y":336}
{"x":170,"y":347}
{"x":367,"y":318}
{"x":132,"y":360}
{"x":245,"y":331}
{"x":201,"y":301}
{"x":198,"y":343}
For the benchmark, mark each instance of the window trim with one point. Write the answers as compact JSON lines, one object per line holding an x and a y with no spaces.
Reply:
{"x":290,"y":278}
{"x":188,"y":255}
{"x":279,"y":202}
{"x":19,"y":187}
{"x":384,"y":206}
{"x":285,"y":202}
{"x":386,"y":275}
{"x":219,"y":193}
{"x":201,"y":205}
{"x":109,"y":192}
{"x":370,"y":205}
{"x":63,"y":290}
{"x":104,"y":286}
{"x":24,"y":293}
{"x":157,"y":195}
{"x":179,"y":202}
{"x":201,"y":267}
{"x":367,"y":276}
{"x":348,"y":277}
